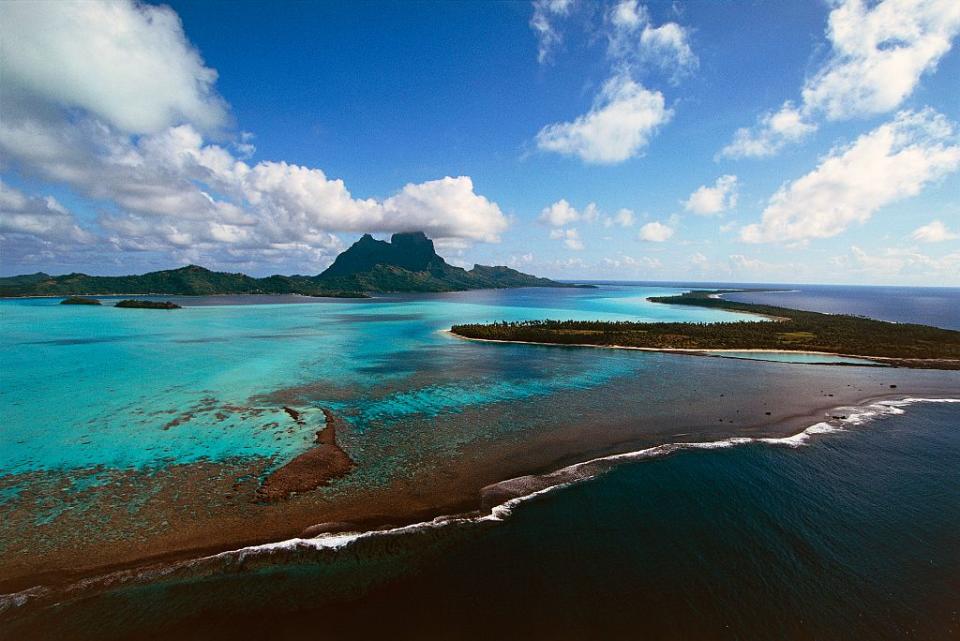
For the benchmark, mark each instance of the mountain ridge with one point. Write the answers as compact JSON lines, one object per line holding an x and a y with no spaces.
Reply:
{"x":408,"y":263}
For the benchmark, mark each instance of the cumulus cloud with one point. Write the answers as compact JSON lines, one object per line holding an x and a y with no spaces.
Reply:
{"x":112,"y":100}
{"x":624,"y":114}
{"x":879,"y":53}
{"x":448,"y":207}
{"x":559,"y":214}
{"x":634,"y":42}
{"x":655,"y":232}
{"x":707,"y":201}
{"x":562,"y":213}
{"x":618,"y":126}
{"x":933,"y":232}
{"x":545,"y":13}
{"x":570,"y":238}
{"x":129,"y":64}
{"x":774,"y":131}
{"x":894,"y":161}
{"x":623,"y":218}
{"x":41,"y":217}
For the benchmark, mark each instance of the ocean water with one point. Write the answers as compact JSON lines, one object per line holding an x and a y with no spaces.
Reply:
{"x":787,"y":357}
{"x":829,"y":534}
{"x":89,"y":386}
{"x":849,"y":534}
{"x":935,"y":306}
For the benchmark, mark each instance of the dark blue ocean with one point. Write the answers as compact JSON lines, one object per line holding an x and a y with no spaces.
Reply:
{"x":937,"y":306}
{"x":852,"y":536}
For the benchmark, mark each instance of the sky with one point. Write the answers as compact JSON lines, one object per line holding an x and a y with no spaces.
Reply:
{"x":787,"y":142}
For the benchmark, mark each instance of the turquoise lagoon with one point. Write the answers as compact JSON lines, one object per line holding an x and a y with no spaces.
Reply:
{"x":85,"y":387}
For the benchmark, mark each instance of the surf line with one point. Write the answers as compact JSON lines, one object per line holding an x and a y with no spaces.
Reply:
{"x":502,"y":498}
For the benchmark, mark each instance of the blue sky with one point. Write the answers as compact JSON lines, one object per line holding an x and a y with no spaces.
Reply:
{"x":761,"y":141}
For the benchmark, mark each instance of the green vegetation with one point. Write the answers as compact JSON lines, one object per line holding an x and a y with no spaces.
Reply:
{"x":79,"y":300}
{"x":906,"y":345}
{"x":191,"y":280}
{"x":147,"y":304}
{"x":409,"y":263}
{"x":406,"y":264}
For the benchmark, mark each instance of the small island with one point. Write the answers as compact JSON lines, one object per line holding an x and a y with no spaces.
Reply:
{"x":147,"y":304}
{"x":79,"y":300}
{"x":791,"y":330}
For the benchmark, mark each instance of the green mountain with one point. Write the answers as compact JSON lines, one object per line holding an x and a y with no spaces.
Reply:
{"x":191,"y":280}
{"x":408,"y":263}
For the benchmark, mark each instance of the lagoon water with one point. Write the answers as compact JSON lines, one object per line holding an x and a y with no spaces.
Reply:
{"x":849,"y":535}
{"x":86,"y":386}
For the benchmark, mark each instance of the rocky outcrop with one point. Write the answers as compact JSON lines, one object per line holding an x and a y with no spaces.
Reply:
{"x":147,"y":304}
{"x":79,"y":300}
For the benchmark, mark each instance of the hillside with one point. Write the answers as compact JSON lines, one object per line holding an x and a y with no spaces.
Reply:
{"x":408,"y":263}
{"x":191,"y":280}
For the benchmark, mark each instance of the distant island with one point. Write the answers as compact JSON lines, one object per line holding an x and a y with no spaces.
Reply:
{"x":408,"y":263}
{"x":147,"y":304}
{"x":898,"y":344}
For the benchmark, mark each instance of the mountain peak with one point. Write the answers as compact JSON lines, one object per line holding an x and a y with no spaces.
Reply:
{"x":412,"y":251}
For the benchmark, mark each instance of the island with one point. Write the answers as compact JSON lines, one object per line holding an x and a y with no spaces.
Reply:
{"x":784,"y":329}
{"x":79,"y":300}
{"x":147,"y":304}
{"x":407,"y":263}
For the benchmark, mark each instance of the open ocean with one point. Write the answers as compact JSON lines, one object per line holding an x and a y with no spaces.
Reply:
{"x":846,"y":531}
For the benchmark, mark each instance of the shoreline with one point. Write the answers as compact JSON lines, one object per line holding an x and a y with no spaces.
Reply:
{"x":884,"y":361}
{"x":496,"y":501}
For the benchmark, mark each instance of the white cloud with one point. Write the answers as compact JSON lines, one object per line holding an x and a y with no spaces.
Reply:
{"x":774,"y":131}
{"x":631,"y":263}
{"x":521,"y":260}
{"x":739,"y":262}
{"x":164,"y":188}
{"x":699,"y":261}
{"x":623,"y":218}
{"x":901,"y":263}
{"x":127,"y":63}
{"x":933,"y":232}
{"x":894,"y":161}
{"x":448,"y":207}
{"x":548,"y":37}
{"x":879,"y":52}
{"x":618,"y":126}
{"x":635,"y":42}
{"x":655,"y":232}
{"x":570,"y":238}
{"x":714,"y":200}
{"x":559,"y":214}
{"x":41,"y":217}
